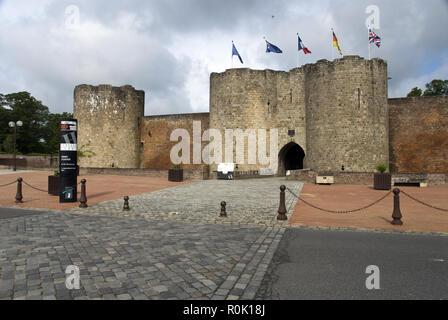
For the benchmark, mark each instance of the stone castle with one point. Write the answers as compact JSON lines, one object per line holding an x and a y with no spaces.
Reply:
{"x":331,"y":117}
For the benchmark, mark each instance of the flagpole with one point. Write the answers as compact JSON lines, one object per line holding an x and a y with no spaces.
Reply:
{"x":368,"y":30}
{"x":332,"y":48}
{"x":232,"y":56}
{"x":298,"y":50}
{"x":264,"y":38}
{"x":369,"y":50}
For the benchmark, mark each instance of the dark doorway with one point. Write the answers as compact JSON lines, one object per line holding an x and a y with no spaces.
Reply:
{"x":290,"y":158}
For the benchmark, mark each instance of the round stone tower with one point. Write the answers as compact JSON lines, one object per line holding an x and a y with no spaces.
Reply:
{"x":109,"y":120}
{"x":346,"y":114}
{"x":329,"y":115}
{"x":259,"y":99}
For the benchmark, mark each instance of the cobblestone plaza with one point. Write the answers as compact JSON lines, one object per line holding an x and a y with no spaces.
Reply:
{"x":172,"y":244}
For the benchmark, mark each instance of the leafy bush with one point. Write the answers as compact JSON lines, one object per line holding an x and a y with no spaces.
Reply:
{"x":83,"y":152}
{"x":177,"y":167}
{"x":381,"y":167}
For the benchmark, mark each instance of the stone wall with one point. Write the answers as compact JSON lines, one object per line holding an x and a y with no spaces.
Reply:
{"x":27,"y":162}
{"x":366,"y":178}
{"x":341,"y":177}
{"x":338,"y":110}
{"x":155,"y":136}
{"x":419,"y":135}
{"x":189,"y":174}
{"x":259,"y":99}
{"x":347,"y":123}
{"x":109,"y":120}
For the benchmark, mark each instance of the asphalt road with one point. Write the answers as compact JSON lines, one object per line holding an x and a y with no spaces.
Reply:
{"x":332,"y":265}
{"x":6,"y":213}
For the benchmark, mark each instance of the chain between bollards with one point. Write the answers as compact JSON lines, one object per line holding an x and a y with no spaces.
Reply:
{"x":8,"y":184}
{"x":396,"y":214}
{"x":282,"y":207}
{"x":83,"y":199}
{"x":19,"y":196}
{"x":423,"y":203}
{"x":126,"y":204}
{"x":223,"y":209}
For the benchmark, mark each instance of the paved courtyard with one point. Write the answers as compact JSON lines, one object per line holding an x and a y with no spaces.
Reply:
{"x":416,"y":217}
{"x":249,"y":202}
{"x":172,"y":244}
{"x":123,"y":258}
{"x":154,"y":253}
{"x":100,"y":188}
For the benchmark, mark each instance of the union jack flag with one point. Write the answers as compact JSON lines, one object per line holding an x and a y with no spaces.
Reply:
{"x":374,"y":38}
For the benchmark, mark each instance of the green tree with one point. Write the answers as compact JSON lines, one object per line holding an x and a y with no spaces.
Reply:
{"x":4,"y":115}
{"x":51,"y":131}
{"x":22,"y":106}
{"x":436,"y":88}
{"x":8,"y":144}
{"x":415,"y":92}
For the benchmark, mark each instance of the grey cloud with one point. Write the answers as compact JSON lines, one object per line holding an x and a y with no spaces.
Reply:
{"x":143,"y":44}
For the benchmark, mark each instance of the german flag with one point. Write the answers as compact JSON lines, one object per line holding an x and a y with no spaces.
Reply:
{"x":336,"y":43}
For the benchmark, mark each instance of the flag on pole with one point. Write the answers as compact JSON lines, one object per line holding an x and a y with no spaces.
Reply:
{"x":236,"y":53}
{"x":272,"y":48}
{"x":302,"y":46}
{"x":374,"y":38}
{"x":336,"y":43}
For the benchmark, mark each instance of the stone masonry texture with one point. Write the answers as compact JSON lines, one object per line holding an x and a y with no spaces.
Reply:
{"x":109,"y":120}
{"x":337,"y":109}
{"x":347,"y":122}
{"x":339,"y":112}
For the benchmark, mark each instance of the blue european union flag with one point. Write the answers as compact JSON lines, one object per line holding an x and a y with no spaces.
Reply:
{"x":271,"y":48}
{"x":235,"y":52}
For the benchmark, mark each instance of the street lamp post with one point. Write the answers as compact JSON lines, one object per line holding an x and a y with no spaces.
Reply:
{"x":14,"y":125}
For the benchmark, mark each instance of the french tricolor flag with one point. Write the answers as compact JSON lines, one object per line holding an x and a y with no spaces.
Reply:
{"x":302,"y":47}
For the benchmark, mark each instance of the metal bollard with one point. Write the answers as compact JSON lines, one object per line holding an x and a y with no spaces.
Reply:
{"x":83,"y":199}
{"x":126,"y":204}
{"x":223,"y":209}
{"x":282,"y":207}
{"x":396,"y":215}
{"x":19,"y":196}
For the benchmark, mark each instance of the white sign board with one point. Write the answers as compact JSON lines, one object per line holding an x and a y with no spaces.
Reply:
{"x":226,"y":167}
{"x":266,"y":172}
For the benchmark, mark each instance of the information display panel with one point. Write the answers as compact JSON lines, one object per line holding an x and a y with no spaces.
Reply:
{"x":68,"y":160}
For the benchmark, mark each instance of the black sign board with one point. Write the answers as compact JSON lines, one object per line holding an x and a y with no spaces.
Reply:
{"x":68,"y":160}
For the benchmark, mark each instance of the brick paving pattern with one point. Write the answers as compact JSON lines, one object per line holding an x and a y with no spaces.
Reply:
{"x":100,"y":188}
{"x":149,"y":252}
{"x":249,"y":202}
{"x":416,"y":217}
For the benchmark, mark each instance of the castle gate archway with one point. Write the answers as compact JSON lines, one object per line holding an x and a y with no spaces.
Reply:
{"x":290,"y":157}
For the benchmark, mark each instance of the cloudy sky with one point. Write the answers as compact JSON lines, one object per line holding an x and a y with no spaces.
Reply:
{"x":168,"y":48}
